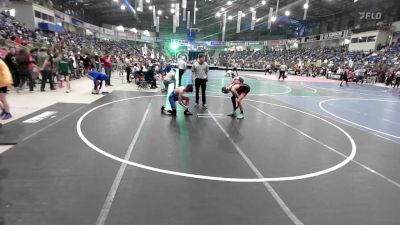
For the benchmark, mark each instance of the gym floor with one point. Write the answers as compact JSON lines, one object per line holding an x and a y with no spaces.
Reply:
{"x":307,"y":152}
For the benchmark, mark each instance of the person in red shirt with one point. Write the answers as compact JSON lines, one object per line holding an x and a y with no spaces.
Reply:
{"x":106,"y":60}
{"x":19,"y":40}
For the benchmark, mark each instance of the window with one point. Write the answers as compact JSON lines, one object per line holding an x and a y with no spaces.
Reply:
{"x":362,"y":39}
{"x":371,"y":39}
{"x":51,"y":19}
{"x":45,"y":16}
{"x":38,"y":14}
{"x":354,"y":40}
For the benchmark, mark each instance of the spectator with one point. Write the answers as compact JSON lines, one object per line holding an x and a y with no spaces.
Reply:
{"x":25,"y":66}
{"x":169,"y":77}
{"x":106,"y":60}
{"x":43,"y":60}
{"x":150,"y":77}
{"x":182,"y":69}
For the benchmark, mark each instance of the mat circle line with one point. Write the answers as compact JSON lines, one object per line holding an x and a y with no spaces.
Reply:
{"x":321,"y":103}
{"x":215,"y":178}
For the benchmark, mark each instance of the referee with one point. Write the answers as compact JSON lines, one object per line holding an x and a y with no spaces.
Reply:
{"x":200,"y":77}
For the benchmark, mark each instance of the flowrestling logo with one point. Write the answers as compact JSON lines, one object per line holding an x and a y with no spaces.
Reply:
{"x":370,"y":15}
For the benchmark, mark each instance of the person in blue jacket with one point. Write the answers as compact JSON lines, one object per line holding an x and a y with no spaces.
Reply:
{"x":98,"y":79}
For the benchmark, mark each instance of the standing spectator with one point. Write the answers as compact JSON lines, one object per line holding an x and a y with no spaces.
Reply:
{"x":56,"y":60}
{"x":235,"y":68}
{"x":128,"y":68}
{"x":397,"y":79}
{"x":282,"y":71}
{"x":65,"y":68}
{"x":149,"y":77}
{"x":345,"y":77}
{"x":182,"y":69}
{"x":5,"y":81}
{"x":200,"y":76}
{"x":74,"y":66}
{"x":25,"y":66}
{"x":106,"y":60}
{"x":11,"y":62}
{"x":169,"y":77}
{"x":86,"y":64}
{"x":97,"y":61}
{"x":44,"y":63}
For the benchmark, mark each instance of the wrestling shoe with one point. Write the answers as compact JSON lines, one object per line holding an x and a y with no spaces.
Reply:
{"x":188,"y":113}
{"x":232,"y":114}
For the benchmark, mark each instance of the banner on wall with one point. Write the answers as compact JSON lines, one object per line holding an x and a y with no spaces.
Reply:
{"x":334,"y":35}
{"x":274,"y":42}
{"x":253,"y":20}
{"x":253,"y":43}
{"x":239,"y":21}
{"x":77,"y":22}
{"x":236,"y":43}
{"x":107,"y":31}
{"x":292,"y":41}
{"x":216,"y":43}
{"x":312,"y":38}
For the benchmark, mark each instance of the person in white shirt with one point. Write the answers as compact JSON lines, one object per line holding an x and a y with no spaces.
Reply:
{"x":182,"y":68}
{"x":169,"y":77}
{"x":282,"y":71}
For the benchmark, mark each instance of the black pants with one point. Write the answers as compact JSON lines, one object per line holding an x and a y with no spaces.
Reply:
{"x":47,"y":75}
{"x":203,"y":84}
{"x":26,"y":75}
{"x":397,"y":83}
{"x":15,"y":76}
{"x":108,"y":73}
{"x":281,"y":74}
{"x":181,"y":72}
{"x":128,"y":73}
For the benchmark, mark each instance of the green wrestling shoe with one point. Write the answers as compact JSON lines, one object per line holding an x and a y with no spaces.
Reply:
{"x":232,"y":114}
{"x":240,"y":116}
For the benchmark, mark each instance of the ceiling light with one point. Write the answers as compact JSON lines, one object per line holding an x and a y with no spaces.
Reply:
{"x":305,"y":6}
{"x":243,"y":15}
{"x":147,"y":1}
{"x":287,"y":13}
{"x":172,"y":5}
{"x":123,"y":7}
{"x":134,"y":30}
{"x":223,"y":9}
{"x":229,"y":3}
{"x":252,"y":9}
{"x":150,"y":7}
{"x":230,"y":17}
{"x":273,"y":19}
{"x":218,"y":14}
{"x":115,"y":0}
{"x":159,"y":12}
{"x":197,"y":9}
{"x":172,"y":10}
{"x":264,"y":2}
